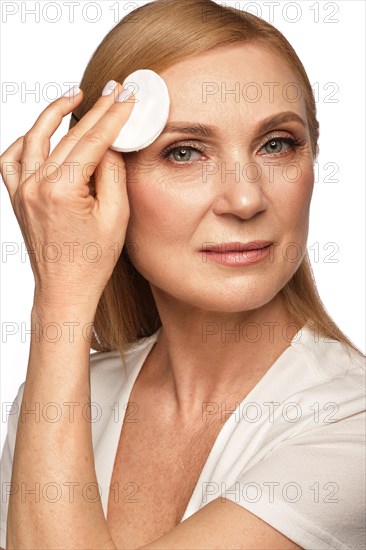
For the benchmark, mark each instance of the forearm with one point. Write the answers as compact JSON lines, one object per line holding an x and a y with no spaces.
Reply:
{"x":54,"y":454}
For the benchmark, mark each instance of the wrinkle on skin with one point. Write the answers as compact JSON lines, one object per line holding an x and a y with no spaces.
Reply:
{"x":174,"y":209}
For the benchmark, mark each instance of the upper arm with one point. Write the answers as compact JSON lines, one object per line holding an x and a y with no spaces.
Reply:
{"x":223,"y":524}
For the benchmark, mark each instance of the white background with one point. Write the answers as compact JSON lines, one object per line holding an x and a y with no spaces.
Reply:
{"x":36,"y":52}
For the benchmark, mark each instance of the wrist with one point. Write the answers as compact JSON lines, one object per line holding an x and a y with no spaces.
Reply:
{"x":55,"y":323}
{"x":48,"y":304}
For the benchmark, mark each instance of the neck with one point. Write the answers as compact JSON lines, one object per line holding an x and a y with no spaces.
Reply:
{"x":205,"y":356}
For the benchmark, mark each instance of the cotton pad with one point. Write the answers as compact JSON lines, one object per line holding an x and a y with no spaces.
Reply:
{"x":149,"y":114}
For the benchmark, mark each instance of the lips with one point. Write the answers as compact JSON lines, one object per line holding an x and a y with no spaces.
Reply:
{"x":237,"y":246}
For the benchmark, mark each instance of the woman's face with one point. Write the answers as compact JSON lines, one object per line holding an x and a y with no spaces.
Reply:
{"x":242,"y":183}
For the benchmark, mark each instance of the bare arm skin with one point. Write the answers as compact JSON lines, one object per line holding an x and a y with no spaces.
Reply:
{"x":56,"y":455}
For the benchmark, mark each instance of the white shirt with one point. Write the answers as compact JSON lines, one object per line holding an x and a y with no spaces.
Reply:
{"x":292,"y":453}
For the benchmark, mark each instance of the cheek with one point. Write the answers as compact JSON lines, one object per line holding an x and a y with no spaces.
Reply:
{"x":161,"y":211}
{"x":304,"y":191}
{"x":293,"y":213}
{"x":296,"y":183}
{"x":163,"y":219}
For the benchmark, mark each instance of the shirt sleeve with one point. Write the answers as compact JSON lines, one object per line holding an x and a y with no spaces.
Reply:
{"x":12,"y":412}
{"x":312,"y":487}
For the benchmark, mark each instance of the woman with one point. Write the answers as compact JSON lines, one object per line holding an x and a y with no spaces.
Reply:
{"x":245,"y":400}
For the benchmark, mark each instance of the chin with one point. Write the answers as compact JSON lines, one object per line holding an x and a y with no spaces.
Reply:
{"x":237,"y":304}
{"x":222,"y":299}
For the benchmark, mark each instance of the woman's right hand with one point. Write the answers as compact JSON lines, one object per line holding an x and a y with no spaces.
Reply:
{"x":77,"y":237}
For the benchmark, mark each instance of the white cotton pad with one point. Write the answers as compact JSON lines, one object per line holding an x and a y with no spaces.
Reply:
{"x":149,"y":114}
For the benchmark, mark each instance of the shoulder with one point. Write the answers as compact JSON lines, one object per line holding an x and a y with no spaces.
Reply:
{"x":329,"y":385}
{"x":109,"y":374}
{"x":110,"y":361}
{"x":305,"y":475}
{"x":106,"y":371}
{"x":312,"y":398}
{"x":328,"y":359}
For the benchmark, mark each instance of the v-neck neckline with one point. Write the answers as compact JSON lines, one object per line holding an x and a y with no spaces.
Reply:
{"x":149,"y":343}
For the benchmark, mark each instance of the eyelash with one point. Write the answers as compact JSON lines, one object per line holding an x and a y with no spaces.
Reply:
{"x":293,"y":142}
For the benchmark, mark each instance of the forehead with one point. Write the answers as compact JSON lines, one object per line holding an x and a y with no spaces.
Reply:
{"x":248,"y":80}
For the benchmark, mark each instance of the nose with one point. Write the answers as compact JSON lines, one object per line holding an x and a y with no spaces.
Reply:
{"x":239,"y":189}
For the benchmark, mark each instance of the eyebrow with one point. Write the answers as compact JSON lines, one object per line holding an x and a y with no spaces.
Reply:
{"x":207,"y":131}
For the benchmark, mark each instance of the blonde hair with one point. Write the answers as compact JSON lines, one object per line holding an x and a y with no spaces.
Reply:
{"x":156,"y":36}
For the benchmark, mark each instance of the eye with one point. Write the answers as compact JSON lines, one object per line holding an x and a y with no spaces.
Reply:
{"x":275,"y":145}
{"x":180,"y":153}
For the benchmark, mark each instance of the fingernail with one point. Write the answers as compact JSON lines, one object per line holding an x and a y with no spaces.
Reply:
{"x":73,"y":91}
{"x":124,"y":95}
{"x":109,"y":87}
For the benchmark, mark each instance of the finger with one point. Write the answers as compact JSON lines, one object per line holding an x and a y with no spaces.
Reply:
{"x":36,"y":146}
{"x":67,"y":144}
{"x":110,"y":183}
{"x":10,"y":167}
{"x":92,"y":146}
